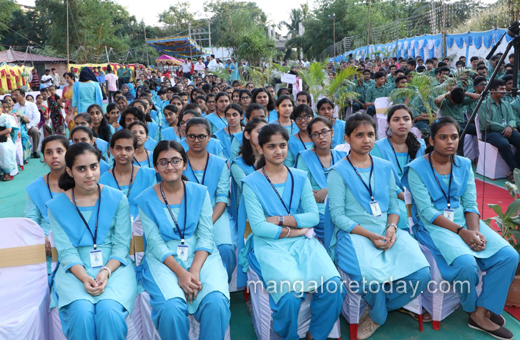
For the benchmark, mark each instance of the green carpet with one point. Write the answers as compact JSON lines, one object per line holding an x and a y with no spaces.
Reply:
{"x":397,"y":326}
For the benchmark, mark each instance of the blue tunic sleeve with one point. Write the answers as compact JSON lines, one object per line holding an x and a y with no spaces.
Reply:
{"x":256,"y":216}
{"x":393,"y":205}
{"x":337,"y":192}
{"x":204,"y":232}
{"x":310,"y":215}
{"x":222,"y":191}
{"x":154,"y":241}
{"x":421,"y":197}
{"x":238,"y":175}
{"x":235,"y":148}
{"x":469,"y":197}
{"x":67,"y":254}
{"x":122,"y":232}
{"x":31,"y":210}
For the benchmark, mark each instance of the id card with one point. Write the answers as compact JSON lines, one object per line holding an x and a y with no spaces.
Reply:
{"x":503,"y":122}
{"x":182,"y":252}
{"x":96,"y":258}
{"x":449,"y":214}
{"x":376,"y":210}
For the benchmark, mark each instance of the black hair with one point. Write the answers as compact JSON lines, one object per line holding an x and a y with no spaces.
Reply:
{"x":317,"y":120}
{"x":282,"y":98}
{"x":66,"y":182}
{"x":441,"y":64}
{"x":496,"y":84}
{"x":300,"y":110}
{"x":136,"y":112}
{"x":221,"y":94}
{"x":324,"y":101}
{"x":195,"y":114}
{"x":103,"y":130}
{"x":380,"y":74}
{"x":171,"y":108}
{"x":429,"y":61}
{"x":507,"y":77}
{"x":246,"y":150}
{"x":421,"y":69}
{"x":123,"y":134}
{"x":166,"y":145}
{"x":198,"y":121}
{"x":244,"y":91}
{"x":398,"y":79}
{"x":53,"y":138}
{"x":112,"y":106}
{"x":252,"y":107}
{"x":306,"y":94}
{"x":473,"y":58}
{"x":140,"y":124}
{"x":356,"y":120}
{"x":411,"y":62}
{"x":85,"y":116}
{"x":399,"y":71}
{"x":478,"y":80}
{"x":192,"y":107}
{"x":265,"y":134}
{"x":270,"y":104}
{"x":411,"y":140}
{"x":234,"y":106}
{"x":22,"y":92}
{"x":436,"y":126}
{"x":457,"y":95}
{"x":280,"y":90}
{"x":481,"y":67}
{"x":70,"y":74}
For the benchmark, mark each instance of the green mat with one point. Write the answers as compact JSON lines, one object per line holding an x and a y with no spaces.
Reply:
{"x":397,"y":326}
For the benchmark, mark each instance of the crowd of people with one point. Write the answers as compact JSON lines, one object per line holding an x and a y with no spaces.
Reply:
{"x":211,"y":168}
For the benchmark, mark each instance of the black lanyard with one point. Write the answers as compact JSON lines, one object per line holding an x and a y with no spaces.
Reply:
{"x":302,"y":140}
{"x":276,"y":191}
{"x":448,"y":197}
{"x":284,"y":127}
{"x":185,"y":197}
{"x":230,"y":134}
{"x":396,"y":159}
{"x":48,"y":186}
{"x":204,"y":174}
{"x":369,"y":186}
{"x":94,"y":235}
{"x":147,"y":158}
{"x":332,"y":161}
{"x":129,"y":185}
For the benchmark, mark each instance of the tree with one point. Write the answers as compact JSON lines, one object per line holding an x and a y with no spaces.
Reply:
{"x":254,"y":45}
{"x":6,"y":14}
{"x":177,"y":18}
{"x":296,"y":18}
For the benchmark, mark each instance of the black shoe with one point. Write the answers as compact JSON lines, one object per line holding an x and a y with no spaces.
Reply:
{"x":500,"y":333}
{"x":35,"y":155}
{"x":497,"y":319}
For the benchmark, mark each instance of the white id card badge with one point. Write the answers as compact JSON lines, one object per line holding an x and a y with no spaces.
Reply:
{"x":376,"y":210}
{"x":182,"y":252}
{"x":96,"y":258}
{"x":449,"y":214}
{"x":503,"y":122}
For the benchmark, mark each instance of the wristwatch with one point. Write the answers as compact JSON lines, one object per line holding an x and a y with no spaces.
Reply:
{"x":280,"y":221}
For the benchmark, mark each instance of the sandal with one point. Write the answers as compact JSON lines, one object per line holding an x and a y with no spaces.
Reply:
{"x":511,"y":177}
{"x":7,"y":178}
{"x":426,"y":316}
{"x":500,"y":333}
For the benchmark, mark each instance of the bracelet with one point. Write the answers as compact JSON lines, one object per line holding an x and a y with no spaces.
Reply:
{"x":108,"y":270}
{"x":289,"y":232}
{"x":459,"y":229}
{"x":391,"y":225}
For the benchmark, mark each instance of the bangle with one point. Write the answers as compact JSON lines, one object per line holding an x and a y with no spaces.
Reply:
{"x":288,"y":232}
{"x":391,"y":225}
{"x":108,"y":270}
{"x":459,"y":229}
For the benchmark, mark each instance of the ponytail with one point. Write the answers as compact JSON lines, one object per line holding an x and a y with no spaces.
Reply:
{"x":66,"y":182}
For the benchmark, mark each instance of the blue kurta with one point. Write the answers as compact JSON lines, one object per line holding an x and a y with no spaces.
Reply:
{"x":216,"y":122}
{"x":150,"y":144}
{"x":214,"y":147}
{"x":163,"y":238}
{"x":291,"y":129}
{"x":226,"y":141}
{"x":339,"y":133}
{"x":295,"y":146}
{"x":143,"y":179}
{"x":236,"y":144}
{"x":74,"y":243}
{"x":287,"y":259}
{"x":148,"y":163}
{"x":169,"y":134}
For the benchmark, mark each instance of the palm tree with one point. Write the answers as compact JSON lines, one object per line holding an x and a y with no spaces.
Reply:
{"x":296,"y":17}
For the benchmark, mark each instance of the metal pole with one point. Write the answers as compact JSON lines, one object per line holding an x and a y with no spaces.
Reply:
{"x":209,"y":32}
{"x":68,"y":60}
{"x":334,"y":34}
{"x":147,"y":56}
{"x":444,"y":47}
{"x":108,"y":56}
{"x":189,"y":37}
{"x":369,"y":15}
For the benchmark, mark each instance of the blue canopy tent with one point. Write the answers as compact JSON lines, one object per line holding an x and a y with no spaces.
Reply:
{"x":180,"y":47}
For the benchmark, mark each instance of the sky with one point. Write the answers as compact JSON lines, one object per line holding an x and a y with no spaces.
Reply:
{"x":276,"y":10}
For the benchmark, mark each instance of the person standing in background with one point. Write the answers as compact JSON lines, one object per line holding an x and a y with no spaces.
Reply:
{"x":55,"y":78}
{"x":35,"y":81}
{"x":111,"y":80}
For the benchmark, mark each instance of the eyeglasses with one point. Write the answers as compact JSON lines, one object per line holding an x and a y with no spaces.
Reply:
{"x":175,"y":162}
{"x":306,"y":117}
{"x":192,"y":138}
{"x":323,"y":133}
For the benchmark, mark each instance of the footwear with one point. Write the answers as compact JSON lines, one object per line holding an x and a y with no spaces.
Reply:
{"x":426,"y":316}
{"x":511,"y":177}
{"x":363,"y":317}
{"x":35,"y":155}
{"x":500,"y":333}
{"x":497,"y":319}
{"x":366,"y":328}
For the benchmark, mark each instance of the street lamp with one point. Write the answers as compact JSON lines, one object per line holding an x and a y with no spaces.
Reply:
{"x":333,"y":18}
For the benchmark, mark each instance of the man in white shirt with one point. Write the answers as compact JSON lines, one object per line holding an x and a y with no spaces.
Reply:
{"x":212,"y":65}
{"x":55,"y":78}
{"x":31,"y":111}
{"x":46,"y":80}
{"x":186,"y":68}
{"x":199,"y":67}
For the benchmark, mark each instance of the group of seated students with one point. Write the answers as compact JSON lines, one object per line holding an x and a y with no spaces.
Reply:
{"x":212,"y":176}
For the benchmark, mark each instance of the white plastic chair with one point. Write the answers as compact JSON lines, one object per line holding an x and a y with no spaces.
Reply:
{"x":23,"y":277}
{"x":382,"y":104}
{"x":493,"y":166}
{"x":262,"y":314}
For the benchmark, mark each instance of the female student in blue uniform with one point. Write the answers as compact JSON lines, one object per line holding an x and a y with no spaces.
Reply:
{"x":284,"y":107}
{"x":261,"y":96}
{"x":100,"y":126}
{"x":44,"y":188}
{"x":82,"y":134}
{"x":281,"y":211}
{"x":154,"y":130}
{"x":84,"y":119}
{"x":211,"y":171}
{"x":217,"y":120}
{"x":399,"y":148}
{"x":213,"y":145}
{"x":299,"y":141}
{"x":444,"y":195}
{"x":366,"y":243}
{"x":172,"y":118}
{"x":134,"y":114}
{"x":234,"y":116}
{"x":317,"y":162}
{"x":253,"y":110}
{"x":95,"y":280}
{"x":125,"y":175}
{"x":326,"y":109}
{"x":177,"y":221}
{"x":142,"y":157}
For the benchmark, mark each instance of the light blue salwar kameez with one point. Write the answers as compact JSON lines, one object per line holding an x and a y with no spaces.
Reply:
{"x":216,"y":122}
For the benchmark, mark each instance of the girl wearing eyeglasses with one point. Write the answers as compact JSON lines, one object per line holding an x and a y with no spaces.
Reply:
{"x":213,"y":146}
{"x":366,"y":243}
{"x":300,"y":141}
{"x":317,"y":162}
{"x":176,"y":216}
{"x":282,"y":247}
{"x":95,"y":280}
{"x":325,"y":108}
{"x":211,"y":171}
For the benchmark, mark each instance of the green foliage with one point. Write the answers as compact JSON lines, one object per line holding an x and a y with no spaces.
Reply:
{"x":8,"y":7}
{"x":509,"y":222}
{"x":314,"y":78}
{"x":254,"y":46}
{"x":338,"y":89}
{"x":177,"y":18}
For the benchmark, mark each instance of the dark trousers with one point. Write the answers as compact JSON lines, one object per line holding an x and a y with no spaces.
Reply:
{"x":422,"y":124}
{"x":503,"y":145}
{"x":35,"y":135}
{"x":472,"y":130}
{"x":356,"y":107}
{"x":371,"y":110}
{"x":111,"y":96}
